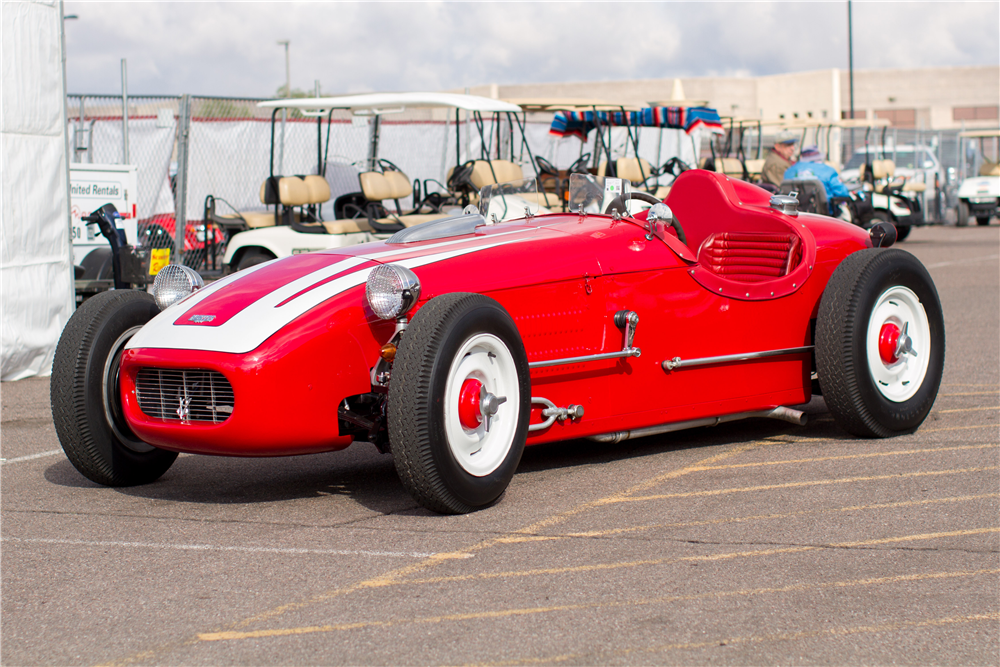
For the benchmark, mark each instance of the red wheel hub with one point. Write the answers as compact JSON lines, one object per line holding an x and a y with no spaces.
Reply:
{"x":469,"y":412}
{"x":888,"y":342}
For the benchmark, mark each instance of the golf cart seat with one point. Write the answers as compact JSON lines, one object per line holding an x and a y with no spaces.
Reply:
{"x":811,"y":194}
{"x":491,"y":172}
{"x":754,"y":168}
{"x":381,"y":186}
{"x":638,"y":171}
{"x":286,"y":193}
{"x":989,"y":169}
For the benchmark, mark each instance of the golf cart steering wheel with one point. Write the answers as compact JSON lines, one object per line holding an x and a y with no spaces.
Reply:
{"x":545,"y":167}
{"x":674,"y":166}
{"x":461,"y":178}
{"x":580,"y":166}
{"x":649,"y":199}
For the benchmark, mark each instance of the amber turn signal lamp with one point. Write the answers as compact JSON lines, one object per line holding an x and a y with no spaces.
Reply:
{"x":388,"y":352}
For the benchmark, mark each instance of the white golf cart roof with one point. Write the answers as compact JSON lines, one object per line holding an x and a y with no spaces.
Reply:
{"x":374,"y":103}
{"x":569,"y":104}
{"x":976,"y":134}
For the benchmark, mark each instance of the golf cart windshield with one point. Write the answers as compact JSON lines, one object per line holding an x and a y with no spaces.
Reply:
{"x":509,"y":201}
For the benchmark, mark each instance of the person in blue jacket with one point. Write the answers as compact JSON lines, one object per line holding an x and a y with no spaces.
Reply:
{"x":811,"y":165}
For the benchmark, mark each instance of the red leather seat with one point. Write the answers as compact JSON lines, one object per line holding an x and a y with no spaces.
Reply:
{"x":749,"y":257}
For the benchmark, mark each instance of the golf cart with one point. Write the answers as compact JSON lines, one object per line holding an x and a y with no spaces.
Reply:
{"x":979,"y":196}
{"x":296,"y":223}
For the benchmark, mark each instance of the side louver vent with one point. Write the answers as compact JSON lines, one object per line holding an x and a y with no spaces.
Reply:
{"x":184,"y":394}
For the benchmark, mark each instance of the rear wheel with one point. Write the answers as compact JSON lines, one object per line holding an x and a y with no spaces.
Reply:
{"x":880,"y":343}
{"x":253,"y":257}
{"x":963,"y":213}
{"x":902,"y":231}
{"x":85,"y":394}
{"x":459,"y":402}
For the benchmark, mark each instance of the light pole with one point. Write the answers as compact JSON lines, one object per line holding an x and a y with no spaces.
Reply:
{"x":284,"y":112}
{"x":850,"y":68}
{"x":288,"y":69}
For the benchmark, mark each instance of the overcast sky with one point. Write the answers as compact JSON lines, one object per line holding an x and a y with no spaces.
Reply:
{"x":230,"y":48}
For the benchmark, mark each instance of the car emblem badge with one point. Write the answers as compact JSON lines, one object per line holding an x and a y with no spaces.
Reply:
{"x":199,"y":319}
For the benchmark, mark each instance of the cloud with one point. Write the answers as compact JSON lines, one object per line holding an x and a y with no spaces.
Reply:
{"x":230,"y":49}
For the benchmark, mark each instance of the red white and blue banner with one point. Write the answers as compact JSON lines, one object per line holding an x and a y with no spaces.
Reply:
{"x":580,"y":123}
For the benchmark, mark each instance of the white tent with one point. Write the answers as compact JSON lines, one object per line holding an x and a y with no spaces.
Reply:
{"x":36,"y":281}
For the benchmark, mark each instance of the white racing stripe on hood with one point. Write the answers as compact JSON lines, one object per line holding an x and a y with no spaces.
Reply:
{"x":260,"y":320}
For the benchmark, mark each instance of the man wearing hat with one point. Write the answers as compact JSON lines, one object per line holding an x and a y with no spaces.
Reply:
{"x":779,"y":158}
{"x":811,"y":165}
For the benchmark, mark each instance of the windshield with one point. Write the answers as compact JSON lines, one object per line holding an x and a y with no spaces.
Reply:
{"x":905,"y":158}
{"x":509,"y":201}
{"x":594,"y":194}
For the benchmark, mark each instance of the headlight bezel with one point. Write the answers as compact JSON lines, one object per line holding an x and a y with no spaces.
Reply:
{"x":174,"y":283}
{"x":391,"y":291}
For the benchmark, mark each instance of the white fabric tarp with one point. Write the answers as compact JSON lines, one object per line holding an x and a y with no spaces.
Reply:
{"x":36,"y":281}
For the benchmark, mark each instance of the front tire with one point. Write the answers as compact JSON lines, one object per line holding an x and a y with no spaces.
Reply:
{"x":85,"y":396}
{"x":459,"y":402}
{"x":880,"y":343}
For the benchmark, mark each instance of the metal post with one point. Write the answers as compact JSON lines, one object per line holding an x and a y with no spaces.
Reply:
{"x":183,"y":151}
{"x":68,"y":248}
{"x":124,"y":112}
{"x":284,"y":112}
{"x":850,"y":67}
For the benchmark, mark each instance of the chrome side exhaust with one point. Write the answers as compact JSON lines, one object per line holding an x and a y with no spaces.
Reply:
{"x":780,"y":412}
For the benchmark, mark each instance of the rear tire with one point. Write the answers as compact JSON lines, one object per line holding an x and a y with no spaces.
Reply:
{"x":85,"y":397}
{"x":902,"y":231}
{"x":963,"y":213}
{"x":874,"y":389}
{"x":253,"y":257}
{"x":447,"y":460}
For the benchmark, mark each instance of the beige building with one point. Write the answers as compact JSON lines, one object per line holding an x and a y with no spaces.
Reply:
{"x":940,"y":98}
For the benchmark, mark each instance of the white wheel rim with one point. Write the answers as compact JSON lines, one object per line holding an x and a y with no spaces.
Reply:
{"x":899,"y":380}
{"x":485,"y":358}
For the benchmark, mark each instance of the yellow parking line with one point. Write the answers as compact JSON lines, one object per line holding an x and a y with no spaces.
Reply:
{"x":958,"y":428}
{"x":898,"y":452}
{"x":989,"y":407}
{"x":390,"y":578}
{"x":707,"y":558}
{"x":598,"y":656}
{"x":771,"y":517}
{"x":792,"y":485}
{"x":973,"y":393}
{"x":527,"y":611}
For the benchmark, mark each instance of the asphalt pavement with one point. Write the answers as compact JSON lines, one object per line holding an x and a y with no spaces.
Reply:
{"x":754,"y":542}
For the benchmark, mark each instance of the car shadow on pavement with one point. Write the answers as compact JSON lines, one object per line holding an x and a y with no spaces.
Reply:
{"x":358,"y":472}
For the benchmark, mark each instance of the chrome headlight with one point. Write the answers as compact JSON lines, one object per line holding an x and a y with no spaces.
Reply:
{"x":173,"y":283}
{"x":392,"y":290}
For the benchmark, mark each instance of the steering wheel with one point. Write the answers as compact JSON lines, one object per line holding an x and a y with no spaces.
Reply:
{"x":649,"y":199}
{"x":674,"y":166}
{"x":388,"y":166}
{"x":461,"y":178}
{"x":545,"y":167}
{"x":580,"y":166}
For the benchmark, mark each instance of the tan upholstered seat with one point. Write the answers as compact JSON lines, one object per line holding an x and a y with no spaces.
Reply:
{"x":318,"y":189}
{"x":635,"y":170}
{"x":989,"y":169}
{"x":754,"y":167}
{"x":730,"y":166}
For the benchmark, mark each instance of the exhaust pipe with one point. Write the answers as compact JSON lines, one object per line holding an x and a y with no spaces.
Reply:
{"x":785,"y":414}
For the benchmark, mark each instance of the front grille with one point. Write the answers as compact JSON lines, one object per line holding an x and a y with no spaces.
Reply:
{"x":189,"y":394}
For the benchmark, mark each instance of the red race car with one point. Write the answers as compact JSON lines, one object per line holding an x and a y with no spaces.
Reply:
{"x":454,"y":344}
